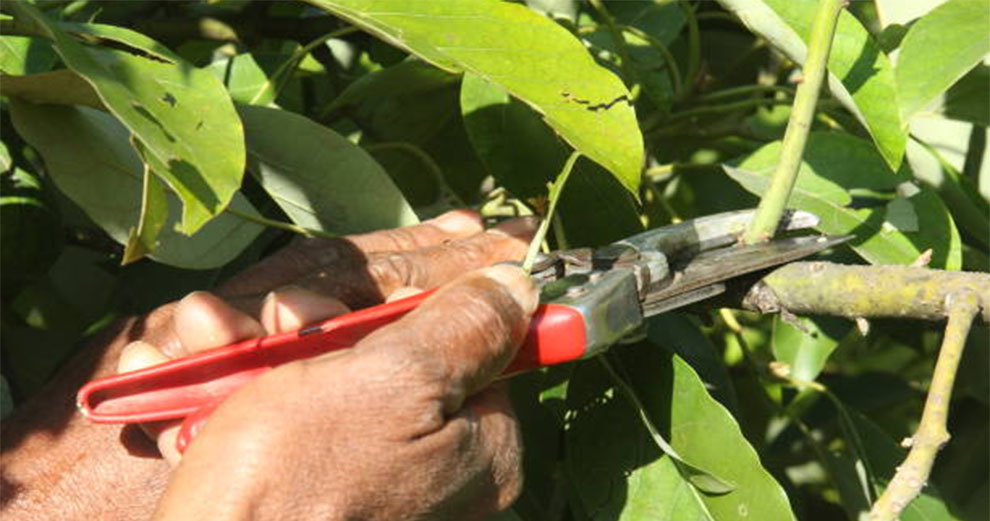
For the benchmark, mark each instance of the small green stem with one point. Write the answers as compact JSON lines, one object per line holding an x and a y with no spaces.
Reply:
{"x":620,"y":42}
{"x":668,"y":58}
{"x":694,"y":50}
{"x":555,"y":190}
{"x":725,"y":108}
{"x":774,"y":200}
{"x":294,"y":228}
{"x":275,"y":83}
{"x":744,"y":90}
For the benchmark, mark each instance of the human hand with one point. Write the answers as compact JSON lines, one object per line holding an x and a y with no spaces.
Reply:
{"x":404,"y":427}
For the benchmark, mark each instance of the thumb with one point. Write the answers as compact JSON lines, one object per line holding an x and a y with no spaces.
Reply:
{"x":460,"y":338}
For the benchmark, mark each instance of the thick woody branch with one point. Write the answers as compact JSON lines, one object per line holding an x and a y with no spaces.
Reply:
{"x":823,"y":288}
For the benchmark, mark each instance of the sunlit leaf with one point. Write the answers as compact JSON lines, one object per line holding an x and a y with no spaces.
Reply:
{"x":60,"y":87}
{"x":246,"y":81}
{"x":25,"y":55}
{"x":860,"y":75}
{"x":320,"y":179}
{"x":939,"y":49}
{"x":835,"y":165}
{"x":525,"y":54}
{"x":181,"y":114}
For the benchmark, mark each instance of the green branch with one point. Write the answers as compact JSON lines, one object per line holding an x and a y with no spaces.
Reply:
{"x":774,"y":200}
{"x":294,"y":228}
{"x":932,"y":434}
{"x":555,"y":190}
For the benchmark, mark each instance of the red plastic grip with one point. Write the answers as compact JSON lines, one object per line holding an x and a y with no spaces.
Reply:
{"x":179,"y":388}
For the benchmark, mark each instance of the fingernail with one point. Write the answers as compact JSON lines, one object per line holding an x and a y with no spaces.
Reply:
{"x":519,"y":284}
{"x":520,"y":227}
{"x":457,"y":221}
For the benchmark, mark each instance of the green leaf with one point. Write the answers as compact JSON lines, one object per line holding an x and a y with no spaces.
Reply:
{"x":805,"y":351}
{"x":523,"y":155}
{"x":6,"y":399}
{"x":619,"y":474}
{"x":5,"y":161}
{"x":524,"y":53}
{"x":133,"y":42}
{"x":835,"y":165}
{"x":320,"y":179}
{"x":25,"y":55}
{"x":966,"y":100}
{"x":246,"y":81}
{"x":89,"y":158}
{"x":143,"y":239}
{"x":882,"y":455}
{"x":406,"y":77}
{"x":30,"y":230}
{"x":181,"y":114}
{"x":61,"y":87}
{"x":680,"y":333}
{"x":939,"y":49}
{"x":860,"y":75}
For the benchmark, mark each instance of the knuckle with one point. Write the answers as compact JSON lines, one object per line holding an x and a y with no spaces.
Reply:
{"x":393,"y":270}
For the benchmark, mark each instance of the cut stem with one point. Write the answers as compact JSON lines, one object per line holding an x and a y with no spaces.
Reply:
{"x":555,"y":190}
{"x":774,"y":200}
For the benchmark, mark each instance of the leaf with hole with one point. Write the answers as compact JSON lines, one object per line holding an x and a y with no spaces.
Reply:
{"x":524,"y":53}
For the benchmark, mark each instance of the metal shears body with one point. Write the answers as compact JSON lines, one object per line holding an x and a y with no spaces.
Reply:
{"x":591,"y":299}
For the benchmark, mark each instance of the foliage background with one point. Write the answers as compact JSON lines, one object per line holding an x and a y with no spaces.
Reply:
{"x":127,"y":125}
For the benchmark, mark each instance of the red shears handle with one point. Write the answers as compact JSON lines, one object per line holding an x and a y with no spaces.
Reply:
{"x":181,"y":387}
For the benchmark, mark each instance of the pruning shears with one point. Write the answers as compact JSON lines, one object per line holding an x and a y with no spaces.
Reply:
{"x":590,"y":300}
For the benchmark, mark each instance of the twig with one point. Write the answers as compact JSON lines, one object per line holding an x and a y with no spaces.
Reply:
{"x":294,"y":228}
{"x":775,"y":198}
{"x":932,"y":434}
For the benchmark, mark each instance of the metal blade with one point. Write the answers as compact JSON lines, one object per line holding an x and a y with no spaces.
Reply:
{"x":712,"y":267}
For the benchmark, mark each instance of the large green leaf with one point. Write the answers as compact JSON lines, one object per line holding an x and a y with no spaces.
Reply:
{"x":88,"y":157}
{"x":30,"y":230}
{"x":320,"y":179}
{"x":804,"y":349}
{"x":524,"y":53}
{"x":25,"y":55}
{"x":181,"y":114}
{"x":860,"y":75}
{"x":619,"y":474}
{"x":524,"y":155}
{"x":889,"y":229}
{"x":246,"y":81}
{"x":939,"y":49}
{"x":406,"y":77}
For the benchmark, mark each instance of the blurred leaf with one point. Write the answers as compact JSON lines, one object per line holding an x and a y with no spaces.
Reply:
{"x":25,"y":55}
{"x":407,"y":77}
{"x":6,"y":400}
{"x":89,"y":158}
{"x":5,"y":161}
{"x":131,"y":41}
{"x":320,"y":179}
{"x":939,"y":49}
{"x":61,"y":87}
{"x":181,"y":114}
{"x":523,"y":155}
{"x":246,"y":81}
{"x":966,"y":100}
{"x":804,"y":351}
{"x":619,"y":475}
{"x":30,"y":232}
{"x":682,"y":335}
{"x":508,"y":45}
{"x":883,"y":456}
{"x":835,"y":164}
{"x":860,"y":75}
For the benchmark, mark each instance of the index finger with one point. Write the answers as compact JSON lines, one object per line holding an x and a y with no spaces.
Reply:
{"x":308,"y":255}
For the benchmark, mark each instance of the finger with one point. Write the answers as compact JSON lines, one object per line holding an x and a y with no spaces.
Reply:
{"x":166,"y":439}
{"x":403,"y":292}
{"x":425,"y":268}
{"x":348,"y":255}
{"x":138,"y":355}
{"x":458,"y":340}
{"x":456,"y":224}
{"x":291,"y":308}
{"x":204,"y":321}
